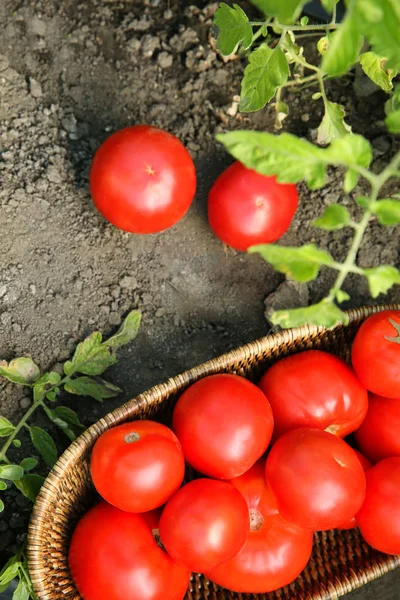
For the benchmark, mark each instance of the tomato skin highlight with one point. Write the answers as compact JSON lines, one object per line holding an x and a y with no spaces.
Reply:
{"x":204,"y":524}
{"x":137,"y":475}
{"x":316,"y":478}
{"x":379,"y":517}
{"x":246,"y":208}
{"x":276,"y":551}
{"x":113,"y":556}
{"x":379,"y":435}
{"x":142,"y":179}
{"x":314,"y":389}
{"x":376,"y":360}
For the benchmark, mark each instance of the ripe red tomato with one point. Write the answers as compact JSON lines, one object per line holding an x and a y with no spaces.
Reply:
{"x":314,"y":389}
{"x":376,"y":353}
{"x":246,"y":208}
{"x":379,"y":517}
{"x":224,"y":424}
{"x":137,"y":466}
{"x":113,"y":556}
{"x":379,"y":434}
{"x":316,"y":478}
{"x":204,"y":524}
{"x":276,"y":551}
{"x":352,"y":523}
{"x":142,"y":179}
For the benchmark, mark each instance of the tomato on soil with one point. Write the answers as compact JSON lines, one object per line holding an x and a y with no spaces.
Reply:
{"x":137,"y":466}
{"x":376,"y":353}
{"x":276,"y":551}
{"x":246,"y":208}
{"x":379,"y":434}
{"x":113,"y":556}
{"x":204,"y":524}
{"x":224,"y":424}
{"x":314,"y":389}
{"x":142,"y":179}
{"x":316,"y":478}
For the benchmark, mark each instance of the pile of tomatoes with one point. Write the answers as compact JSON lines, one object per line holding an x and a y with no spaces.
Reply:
{"x":268,"y":466}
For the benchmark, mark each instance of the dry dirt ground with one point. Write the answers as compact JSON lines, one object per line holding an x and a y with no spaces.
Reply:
{"x":73,"y":71}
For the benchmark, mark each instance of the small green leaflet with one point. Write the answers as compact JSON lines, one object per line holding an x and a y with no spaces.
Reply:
{"x":342,"y":296}
{"x":304,"y":21}
{"x":380,"y":23}
{"x":325,"y":314}
{"x":16,"y":443}
{"x":11,"y":472}
{"x":394,"y":101}
{"x":20,"y":370}
{"x":234,"y":28}
{"x":335,"y":217}
{"x":329,"y":5}
{"x":43,"y":383}
{"x":85,"y":386}
{"x":44,"y":444}
{"x":1,"y":508}
{"x":344,"y":45}
{"x":266,"y":71}
{"x":381,"y":279}
{"x":374,"y":67}
{"x":91,"y":357}
{"x":350,"y":180}
{"x":3,"y":485}
{"x":392,"y":122}
{"x":29,"y":485}
{"x":333,"y":124}
{"x":286,"y":11}
{"x":6,"y":428}
{"x":28,"y":464}
{"x":22,"y":592}
{"x":68,"y":415}
{"x":387,"y":211}
{"x":349,"y":151}
{"x":301,"y":264}
{"x":127,"y":332}
{"x":10,"y":570}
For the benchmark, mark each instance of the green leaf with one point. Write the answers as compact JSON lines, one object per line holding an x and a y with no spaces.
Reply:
{"x":234,"y":28}
{"x":387,"y":211}
{"x":333,"y":124}
{"x":350,"y":180}
{"x":1,"y":506}
{"x":6,"y":427}
{"x":28,"y":464}
{"x":85,"y":386}
{"x":68,"y":415}
{"x":344,"y":45}
{"x":29,"y":485}
{"x":393,"y":103}
{"x":67,"y":420}
{"x":16,"y":443}
{"x":304,"y":21}
{"x":10,"y":570}
{"x":52,"y":378}
{"x":44,"y":444}
{"x":392,"y":122}
{"x":20,"y":370}
{"x":22,"y":592}
{"x":288,"y":157}
{"x":381,"y":279}
{"x":91,"y":356}
{"x":342,"y":296}
{"x":350,"y":150}
{"x":127,"y":332}
{"x":301,"y":264}
{"x":374,"y":67}
{"x":335,"y":217}
{"x":325,"y":314}
{"x":11,"y":472}
{"x":329,"y":5}
{"x":286,"y":11}
{"x":266,"y":71}
{"x":3,"y":485}
{"x":44,"y":383}
{"x":380,"y":23}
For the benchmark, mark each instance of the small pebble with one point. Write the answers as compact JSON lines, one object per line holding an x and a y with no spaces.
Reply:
{"x":160,"y":312}
{"x":25,"y":403}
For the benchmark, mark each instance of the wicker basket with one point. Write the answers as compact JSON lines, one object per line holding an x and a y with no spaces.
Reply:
{"x":341,"y":561}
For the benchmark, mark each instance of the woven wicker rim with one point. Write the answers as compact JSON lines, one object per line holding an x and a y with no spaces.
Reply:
{"x":153,"y":397}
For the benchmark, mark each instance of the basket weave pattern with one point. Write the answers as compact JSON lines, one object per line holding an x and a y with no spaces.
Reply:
{"x":341,"y":561}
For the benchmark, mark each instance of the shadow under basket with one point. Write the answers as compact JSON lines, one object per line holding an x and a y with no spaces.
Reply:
{"x":340,"y":562}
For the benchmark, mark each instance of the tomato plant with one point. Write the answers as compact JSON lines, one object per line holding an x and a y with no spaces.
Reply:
{"x":316,"y":478}
{"x":246,"y":208}
{"x":376,"y":353}
{"x":113,"y":556}
{"x":142,"y":179}
{"x":378,"y":437}
{"x":224,"y":424}
{"x":352,"y":523}
{"x":137,"y":466}
{"x":204,"y":524}
{"x":379,"y":517}
{"x":276,"y":551}
{"x":314,"y":389}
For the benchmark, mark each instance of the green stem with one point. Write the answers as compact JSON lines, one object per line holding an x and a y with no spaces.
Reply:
{"x":326,"y":27}
{"x":257,"y":34}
